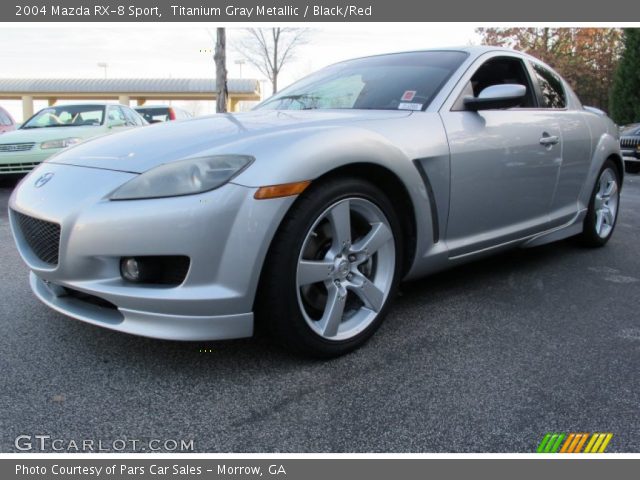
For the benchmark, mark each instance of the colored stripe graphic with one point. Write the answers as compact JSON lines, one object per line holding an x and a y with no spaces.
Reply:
{"x":573,"y":442}
{"x":606,"y":441}
{"x":556,"y":446}
{"x":567,"y":443}
{"x":591,"y":442}
{"x":583,"y":439}
{"x":543,"y":443}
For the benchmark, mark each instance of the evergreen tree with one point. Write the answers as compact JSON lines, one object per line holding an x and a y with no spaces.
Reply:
{"x":625,"y":95}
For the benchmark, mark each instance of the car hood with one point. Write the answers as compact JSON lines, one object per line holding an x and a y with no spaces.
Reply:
{"x":138,"y":150}
{"x":38,"y":135}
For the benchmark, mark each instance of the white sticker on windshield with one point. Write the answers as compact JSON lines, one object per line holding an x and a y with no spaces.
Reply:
{"x":409,"y":106}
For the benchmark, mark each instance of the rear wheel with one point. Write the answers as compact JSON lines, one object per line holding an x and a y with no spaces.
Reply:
{"x":603,"y":208}
{"x":332,"y":269}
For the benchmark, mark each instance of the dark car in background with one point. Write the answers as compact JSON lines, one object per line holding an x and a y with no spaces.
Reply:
{"x":7,"y":123}
{"x":162,"y":113}
{"x":630,"y":147}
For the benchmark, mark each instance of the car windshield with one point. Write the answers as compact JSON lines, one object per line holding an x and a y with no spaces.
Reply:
{"x":404,"y":81}
{"x":67,"y":116}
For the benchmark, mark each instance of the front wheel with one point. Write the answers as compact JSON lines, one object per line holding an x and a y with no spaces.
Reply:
{"x":603,"y":207}
{"x":332,"y":269}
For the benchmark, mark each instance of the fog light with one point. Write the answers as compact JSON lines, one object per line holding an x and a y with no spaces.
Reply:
{"x":130,"y":269}
{"x":155,"y":269}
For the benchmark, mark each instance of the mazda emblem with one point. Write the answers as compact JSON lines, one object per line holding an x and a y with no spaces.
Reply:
{"x":43,"y":179}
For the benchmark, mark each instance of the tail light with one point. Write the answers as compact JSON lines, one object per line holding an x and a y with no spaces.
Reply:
{"x":172,"y":114}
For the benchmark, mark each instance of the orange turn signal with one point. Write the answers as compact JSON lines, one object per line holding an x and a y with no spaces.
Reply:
{"x":283,"y":190}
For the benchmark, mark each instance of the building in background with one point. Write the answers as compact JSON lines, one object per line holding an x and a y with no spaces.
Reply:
{"x":124,"y":90}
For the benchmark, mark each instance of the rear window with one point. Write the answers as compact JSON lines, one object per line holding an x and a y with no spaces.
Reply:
{"x":154,"y":115}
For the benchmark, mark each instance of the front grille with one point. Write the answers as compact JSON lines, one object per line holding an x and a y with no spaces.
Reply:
{"x":18,"y":167}
{"x":16,"y":147}
{"x":42,"y":237}
{"x":629,"y":142}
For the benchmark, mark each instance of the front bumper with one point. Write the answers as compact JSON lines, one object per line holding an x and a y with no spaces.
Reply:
{"x":24,"y":162}
{"x":225,"y":233}
{"x":147,"y":324}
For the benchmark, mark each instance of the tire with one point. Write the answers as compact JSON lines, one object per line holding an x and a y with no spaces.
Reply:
{"x":325,"y":288}
{"x":604,"y":206}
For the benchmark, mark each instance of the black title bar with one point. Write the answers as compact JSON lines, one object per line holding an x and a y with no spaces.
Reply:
{"x":318,"y":11}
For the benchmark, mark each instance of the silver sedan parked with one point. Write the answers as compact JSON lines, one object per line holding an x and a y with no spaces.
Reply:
{"x":305,"y":213}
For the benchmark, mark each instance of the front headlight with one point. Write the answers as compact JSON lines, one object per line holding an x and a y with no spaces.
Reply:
{"x":61,"y":143}
{"x":185,"y":177}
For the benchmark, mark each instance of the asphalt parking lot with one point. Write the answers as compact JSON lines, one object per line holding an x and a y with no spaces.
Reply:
{"x":484,"y":358}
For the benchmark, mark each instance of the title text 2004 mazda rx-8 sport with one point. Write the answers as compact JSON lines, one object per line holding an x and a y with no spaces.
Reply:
{"x":309,"y":210}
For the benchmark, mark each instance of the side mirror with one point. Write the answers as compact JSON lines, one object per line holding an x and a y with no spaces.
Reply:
{"x":495,"y":97}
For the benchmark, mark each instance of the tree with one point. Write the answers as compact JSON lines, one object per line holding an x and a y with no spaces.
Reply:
{"x":625,"y":96}
{"x":220,"y":58}
{"x":270,"y":49}
{"x":585,"y":57}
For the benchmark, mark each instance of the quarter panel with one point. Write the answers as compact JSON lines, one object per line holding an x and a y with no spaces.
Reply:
{"x":576,"y":159}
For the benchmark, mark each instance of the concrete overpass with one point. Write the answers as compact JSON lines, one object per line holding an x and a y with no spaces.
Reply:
{"x":124,"y":90}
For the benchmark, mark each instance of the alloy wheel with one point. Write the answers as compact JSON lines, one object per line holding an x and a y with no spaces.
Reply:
{"x":606,"y":202}
{"x":345,"y":269}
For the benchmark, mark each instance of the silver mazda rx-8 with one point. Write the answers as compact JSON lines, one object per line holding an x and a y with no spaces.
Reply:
{"x":307,"y":212}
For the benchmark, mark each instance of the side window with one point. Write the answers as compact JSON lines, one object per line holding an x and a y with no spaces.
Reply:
{"x":132,"y":118}
{"x":498,"y":71}
{"x":115,"y":114}
{"x":553,"y":95}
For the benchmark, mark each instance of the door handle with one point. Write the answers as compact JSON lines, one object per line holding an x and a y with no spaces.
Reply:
{"x":548,"y":140}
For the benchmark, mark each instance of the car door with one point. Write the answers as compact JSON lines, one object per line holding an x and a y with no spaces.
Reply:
{"x":503,"y":163}
{"x":554,"y":96}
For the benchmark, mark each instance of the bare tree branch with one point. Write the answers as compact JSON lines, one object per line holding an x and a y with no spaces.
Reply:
{"x":270,"y":49}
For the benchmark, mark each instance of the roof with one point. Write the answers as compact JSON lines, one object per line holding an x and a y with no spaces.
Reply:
{"x":124,"y":85}
{"x":472,"y":50}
